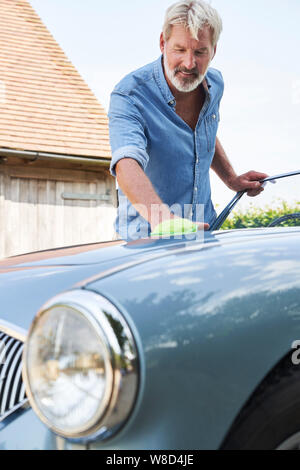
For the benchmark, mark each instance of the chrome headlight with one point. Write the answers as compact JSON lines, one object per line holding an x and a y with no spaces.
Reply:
{"x":81,"y":366}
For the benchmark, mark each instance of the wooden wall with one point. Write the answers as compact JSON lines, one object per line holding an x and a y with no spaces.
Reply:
{"x":34,"y":216}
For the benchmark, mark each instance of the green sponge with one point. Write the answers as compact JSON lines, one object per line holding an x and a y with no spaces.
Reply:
{"x":175,"y":226}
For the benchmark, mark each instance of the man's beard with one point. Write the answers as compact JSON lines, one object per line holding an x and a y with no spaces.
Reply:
{"x":182,"y":84}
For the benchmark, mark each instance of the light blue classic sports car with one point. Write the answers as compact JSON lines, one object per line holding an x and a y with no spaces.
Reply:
{"x":154,"y":344}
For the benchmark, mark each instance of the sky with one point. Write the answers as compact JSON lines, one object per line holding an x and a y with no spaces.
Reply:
{"x":257,"y":54}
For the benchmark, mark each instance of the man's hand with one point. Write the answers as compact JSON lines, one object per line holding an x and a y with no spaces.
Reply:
{"x":248,"y":181}
{"x":177,"y":226}
{"x":161,"y":215}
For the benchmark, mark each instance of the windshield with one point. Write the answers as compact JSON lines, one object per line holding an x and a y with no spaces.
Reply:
{"x":277,"y":205}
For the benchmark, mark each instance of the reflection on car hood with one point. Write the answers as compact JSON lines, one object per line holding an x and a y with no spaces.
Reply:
{"x":27,"y":282}
{"x":114,"y":252}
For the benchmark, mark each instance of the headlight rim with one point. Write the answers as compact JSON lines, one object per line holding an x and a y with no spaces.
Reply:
{"x":96,"y":314}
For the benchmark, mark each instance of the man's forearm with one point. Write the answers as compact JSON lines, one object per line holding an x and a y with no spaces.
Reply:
{"x":139,"y":190}
{"x":222,"y":166}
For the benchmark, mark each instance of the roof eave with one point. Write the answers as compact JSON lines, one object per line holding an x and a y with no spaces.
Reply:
{"x":34,"y":156}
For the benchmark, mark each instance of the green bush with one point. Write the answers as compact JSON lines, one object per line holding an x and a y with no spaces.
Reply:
{"x":262,"y":217}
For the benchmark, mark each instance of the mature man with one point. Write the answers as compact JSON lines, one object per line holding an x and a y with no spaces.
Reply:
{"x":163,"y":121}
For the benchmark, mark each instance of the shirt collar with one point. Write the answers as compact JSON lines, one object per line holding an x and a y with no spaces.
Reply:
{"x":206,"y":84}
{"x":163,"y":85}
{"x":162,"y":82}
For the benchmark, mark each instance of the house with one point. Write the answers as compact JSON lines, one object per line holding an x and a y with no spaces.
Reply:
{"x":55,"y":186}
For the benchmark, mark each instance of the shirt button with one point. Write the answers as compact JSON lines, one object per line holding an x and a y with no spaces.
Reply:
{"x":214,"y":116}
{"x":172,"y":102}
{"x":196,"y":189}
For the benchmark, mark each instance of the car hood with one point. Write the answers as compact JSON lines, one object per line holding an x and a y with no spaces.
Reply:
{"x":115,"y":251}
{"x":98,"y":253}
{"x":28,"y":281}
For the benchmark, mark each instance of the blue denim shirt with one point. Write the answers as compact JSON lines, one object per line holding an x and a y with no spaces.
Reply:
{"x":143,"y":125}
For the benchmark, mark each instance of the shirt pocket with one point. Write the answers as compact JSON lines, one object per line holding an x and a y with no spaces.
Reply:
{"x":211,"y":127}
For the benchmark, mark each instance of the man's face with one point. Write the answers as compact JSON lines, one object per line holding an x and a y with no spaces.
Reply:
{"x":186,"y":59}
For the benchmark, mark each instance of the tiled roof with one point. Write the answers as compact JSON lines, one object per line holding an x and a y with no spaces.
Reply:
{"x":45,"y":105}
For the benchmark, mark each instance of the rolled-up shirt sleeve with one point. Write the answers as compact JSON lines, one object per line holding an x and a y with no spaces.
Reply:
{"x":126,"y":131}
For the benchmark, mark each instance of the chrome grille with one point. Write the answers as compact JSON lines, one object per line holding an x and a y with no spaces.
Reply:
{"x":12,"y":390}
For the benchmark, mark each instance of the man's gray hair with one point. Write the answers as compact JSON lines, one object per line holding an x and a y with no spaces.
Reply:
{"x":194,"y":14}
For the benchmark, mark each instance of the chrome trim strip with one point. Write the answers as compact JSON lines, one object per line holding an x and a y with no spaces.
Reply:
{"x":6,"y":367}
{"x":15,"y":408}
{"x":12,"y":368}
{"x":3,"y":353}
{"x":121,"y":363}
{"x":10,"y":376}
{"x":17,"y":380}
{"x":13,"y":330}
{"x":22,"y":391}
